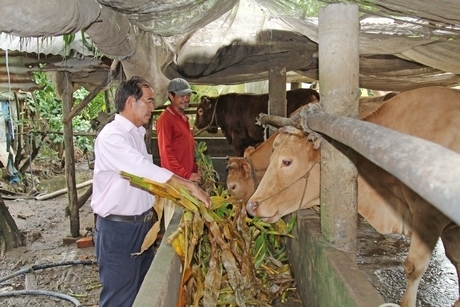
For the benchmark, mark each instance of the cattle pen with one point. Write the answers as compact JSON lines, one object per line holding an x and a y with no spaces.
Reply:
{"x":323,"y":257}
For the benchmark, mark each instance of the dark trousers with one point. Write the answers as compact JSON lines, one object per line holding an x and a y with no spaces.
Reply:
{"x":120,"y":273}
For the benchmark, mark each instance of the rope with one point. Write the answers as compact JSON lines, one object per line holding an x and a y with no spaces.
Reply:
{"x":306,"y":175}
{"x":253,"y":172}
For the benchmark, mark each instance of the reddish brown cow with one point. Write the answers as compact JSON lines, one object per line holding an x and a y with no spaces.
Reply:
{"x":236,"y":115}
{"x":385,"y":202}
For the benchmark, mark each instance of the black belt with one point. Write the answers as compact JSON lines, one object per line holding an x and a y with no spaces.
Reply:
{"x":147,"y":216}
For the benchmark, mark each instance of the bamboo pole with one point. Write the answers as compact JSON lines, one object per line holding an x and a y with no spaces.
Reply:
{"x":63,"y":191}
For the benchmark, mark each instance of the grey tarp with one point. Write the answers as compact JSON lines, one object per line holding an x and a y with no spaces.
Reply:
{"x":403,"y":44}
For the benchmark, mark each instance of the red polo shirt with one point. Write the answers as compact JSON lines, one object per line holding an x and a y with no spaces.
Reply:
{"x":176,"y":143}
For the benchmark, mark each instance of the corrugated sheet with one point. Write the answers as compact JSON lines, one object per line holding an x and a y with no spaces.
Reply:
{"x":20,"y":57}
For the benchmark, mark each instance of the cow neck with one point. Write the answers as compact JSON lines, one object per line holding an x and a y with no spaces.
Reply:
{"x":306,"y":176}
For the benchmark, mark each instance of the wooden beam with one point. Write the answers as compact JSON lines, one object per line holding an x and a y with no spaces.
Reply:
{"x":101,"y":87}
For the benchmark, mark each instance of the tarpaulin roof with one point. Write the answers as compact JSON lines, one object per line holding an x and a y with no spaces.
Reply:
{"x":402,"y":44}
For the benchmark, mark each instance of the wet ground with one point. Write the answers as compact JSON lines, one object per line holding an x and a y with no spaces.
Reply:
{"x":380,"y":258}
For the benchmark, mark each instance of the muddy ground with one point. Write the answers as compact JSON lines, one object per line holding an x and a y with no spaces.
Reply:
{"x":47,"y":228}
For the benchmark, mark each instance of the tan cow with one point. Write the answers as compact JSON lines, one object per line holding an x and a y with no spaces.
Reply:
{"x":245,"y":173}
{"x":385,"y":202}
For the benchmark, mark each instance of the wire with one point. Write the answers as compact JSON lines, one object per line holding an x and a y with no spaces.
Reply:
{"x":41,"y":292}
{"x":45,"y":266}
{"x":44,"y":292}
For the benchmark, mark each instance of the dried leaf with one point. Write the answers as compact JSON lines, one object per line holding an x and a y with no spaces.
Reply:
{"x":149,"y":239}
{"x":213,"y":278}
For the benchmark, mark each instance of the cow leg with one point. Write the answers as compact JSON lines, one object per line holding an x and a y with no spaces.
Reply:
{"x":451,"y":241}
{"x":423,"y":241}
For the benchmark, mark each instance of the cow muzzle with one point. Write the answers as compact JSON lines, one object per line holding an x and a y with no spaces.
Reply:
{"x":251,"y":207}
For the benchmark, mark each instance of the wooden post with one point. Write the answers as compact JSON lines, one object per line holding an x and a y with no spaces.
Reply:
{"x":66,"y":90}
{"x":277,"y":91}
{"x":339,"y":89}
{"x":277,"y":104}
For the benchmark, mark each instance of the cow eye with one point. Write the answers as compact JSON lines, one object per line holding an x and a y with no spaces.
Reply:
{"x":287,"y":162}
{"x":200,"y":111}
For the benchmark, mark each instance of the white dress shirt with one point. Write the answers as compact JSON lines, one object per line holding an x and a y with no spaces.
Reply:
{"x":119,"y":147}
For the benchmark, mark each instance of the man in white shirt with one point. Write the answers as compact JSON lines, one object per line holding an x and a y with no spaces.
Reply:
{"x":124,"y":213}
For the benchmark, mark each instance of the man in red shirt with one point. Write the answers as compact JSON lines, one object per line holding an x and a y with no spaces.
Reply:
{"x":175,"y":139}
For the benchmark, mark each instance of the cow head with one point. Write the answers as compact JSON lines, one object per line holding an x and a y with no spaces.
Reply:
{"x":204,"y":114}
{"x":239,"y":178}
{"x":292,"y":179}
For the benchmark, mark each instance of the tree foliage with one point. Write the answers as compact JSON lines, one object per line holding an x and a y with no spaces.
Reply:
{"x":48,"y":108}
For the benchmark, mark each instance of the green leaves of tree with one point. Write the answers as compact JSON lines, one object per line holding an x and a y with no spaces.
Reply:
{"x":48,"y":108}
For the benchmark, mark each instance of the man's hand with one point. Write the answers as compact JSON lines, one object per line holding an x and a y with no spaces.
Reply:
{"x":193,"y":187}
{"x":201,"y":195}
{"x":195,"y":177}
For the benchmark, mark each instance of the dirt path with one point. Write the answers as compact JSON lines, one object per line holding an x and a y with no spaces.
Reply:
{"x":46,"y":227}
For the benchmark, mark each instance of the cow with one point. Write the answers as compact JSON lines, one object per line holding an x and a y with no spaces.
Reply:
{"x":366,"y":99}
{"x":385,"y":202}
{"x":236,"y":115}
{"x":244,"y":173}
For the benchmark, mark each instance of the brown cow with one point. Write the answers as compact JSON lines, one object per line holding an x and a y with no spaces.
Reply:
{"x":245,"y":173}
{"x":385,"y":202}
{"x":236,"y":115}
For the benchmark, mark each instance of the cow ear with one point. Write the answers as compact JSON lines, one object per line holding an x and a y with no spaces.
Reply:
{"x":248,"y":151}
{"x":232,"y":165}
{"x":246,"y":169}
{"x":207,"y":101}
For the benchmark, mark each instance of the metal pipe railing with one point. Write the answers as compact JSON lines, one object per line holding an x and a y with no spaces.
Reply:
{"x":429,"y":169}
